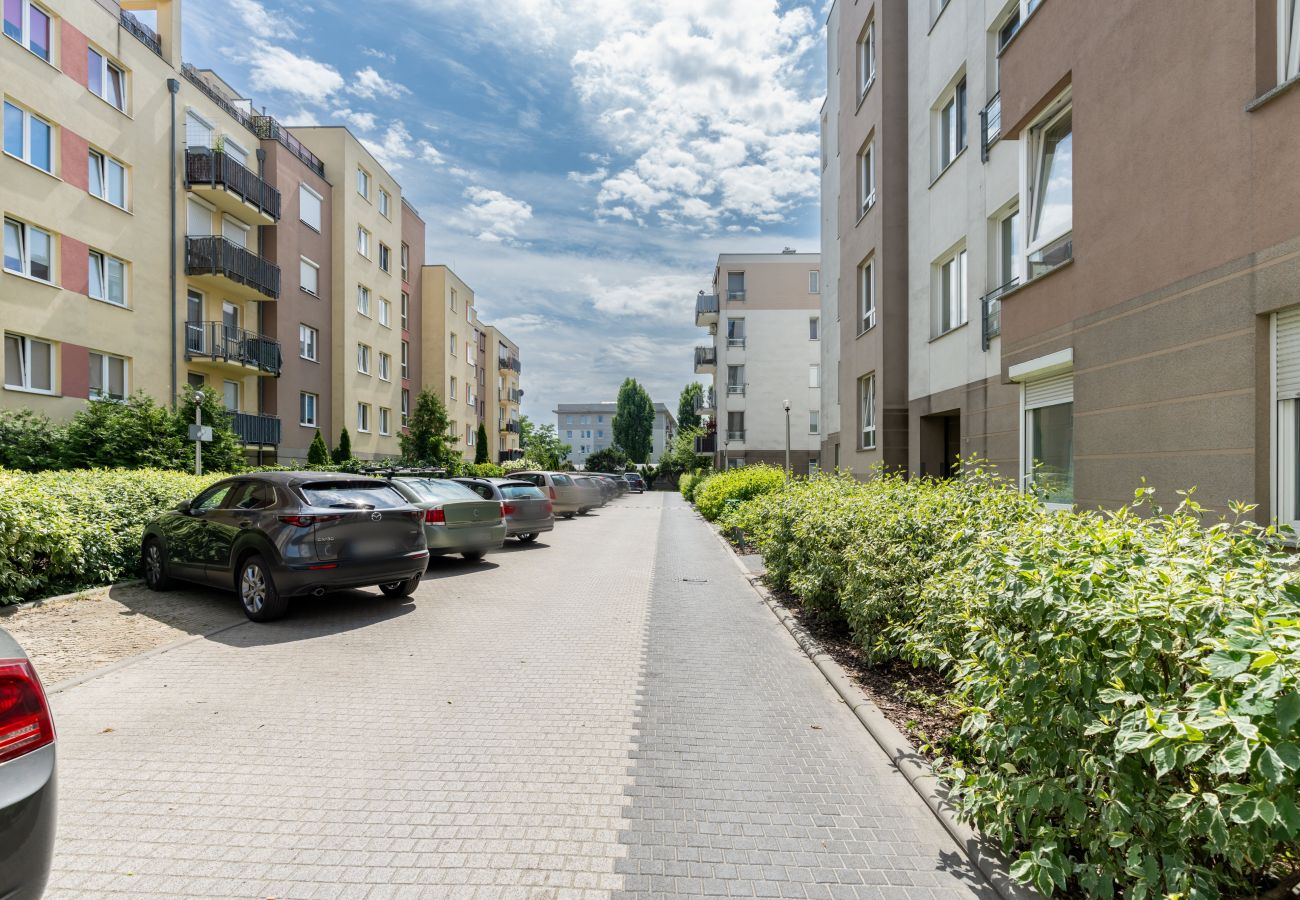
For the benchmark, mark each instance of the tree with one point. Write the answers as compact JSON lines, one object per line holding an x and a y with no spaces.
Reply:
{"x":611,"y":460}
{"x":342,"y":452}
{"x":481,"y":446}
{"x":428,"y":440}
{"x":687,"y":417}
{"x":29,"y":441}
{"x":634,"y":421}
{"x":541,"y":443}
{"x":680,"y":456}
{"x":318,"y":454}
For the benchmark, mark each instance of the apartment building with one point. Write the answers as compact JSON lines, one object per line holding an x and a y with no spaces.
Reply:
{"x":830,"y":253}
{"x":765,"y":359}
{"x":410,"y":310}
{"x":506,"y":395}
{"x":589,"y":428}
{"x":451,"y":343}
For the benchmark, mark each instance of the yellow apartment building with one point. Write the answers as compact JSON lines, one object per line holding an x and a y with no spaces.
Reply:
{"x":450,"y":347}
{"x":503,"y":355}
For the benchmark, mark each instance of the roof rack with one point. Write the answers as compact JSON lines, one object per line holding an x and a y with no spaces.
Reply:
{"x":404,"y":471}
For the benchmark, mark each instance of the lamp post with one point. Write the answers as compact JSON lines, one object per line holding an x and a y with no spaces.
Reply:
{"x":787,"y":440}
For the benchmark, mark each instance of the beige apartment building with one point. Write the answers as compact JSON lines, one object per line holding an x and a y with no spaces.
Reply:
{"x":450,"y":346}
{"x":506,"y":394}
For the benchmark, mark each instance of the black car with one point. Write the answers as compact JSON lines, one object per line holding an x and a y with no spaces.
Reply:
{"x":634,"y":482}
{"x":28,"y":785}
{"x":275,"y":535}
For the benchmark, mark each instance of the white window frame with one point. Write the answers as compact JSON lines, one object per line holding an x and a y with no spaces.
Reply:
{"x":195,"y":122}
{"x":406,"y":359}
{"x":385,"y":204}
{"x":385,"y":313}
{"x":453,"y":342}
{"x":406,"y":261}
{"x":999,"y":239}
{"x":385,"y":420}
{"x":363,"y":418}
{"x":867,"y":58}
{"x":1288,"y":43}
{"x":363,"y":359}
{"x":107,"y":166}
{"x":28,"y":117}
{"x":866,"y":295}
{"x":106,"y":65}
{"x":308,"y":342}
{"x":105,"y":375}
{"x":25,"y":348}
{"x":363,"y":300}
{"x":814,"y":375}
{"x":451,"y":390}
{"x":385,"y":366}
{"x":951,"y":138}
{"x":814,"y":421}
{"x":308,"y":402}
{"x":868,"y":415}
{"x":305,"y":265}
{"x":866,"y":177}
{"x":100,"y":262}
{"x":406,"y":407}
{"x":305,"y":191}
{"x":363,"y":182}
{"x":25,"y":38}
{"x":814,"y":328}
{"x":1035,"y":370}
{"x":405,"y":311}
{"x":363,"y":241}
{"x":1031,"y":159}
{"x":385,"y":258}
{"x":24,"y":251}
{"x":814,"y":281}
{"x":951,"y":292}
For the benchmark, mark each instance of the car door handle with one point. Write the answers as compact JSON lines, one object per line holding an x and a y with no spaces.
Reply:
{"x":246,"y":523}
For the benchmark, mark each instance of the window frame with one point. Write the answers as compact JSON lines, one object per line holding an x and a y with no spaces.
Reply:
{"x":105,"y":165}
{"x":405,"y":407}
{"x":303,"y":420}
{"x":405,"y":311}
{"x":25,"y":347}
{"x":363,"y":241}
{"x":363,"y":182}
{"x":1033,"y":149}
{"x":406,"y":359}
{"x":385,"y":421}
{"x":26,"y":137}
{"x":814,"y":421}
{"x":814,"y":281}
{"x":304,"y":188}
{"x":385,"y":313}
{"x":867,"y":177}
{"x":385,"y":204}
{"x":102,"y":267}
{"x":814,"y":376}
{"x":866,"y":291}
{"x":385,"y":258}
{"x":363,"y":358}
{"x":866,"y":58}
{"x":405,"y":261}
{"x":385,"y":366}
{"x":814,"y":328}
{"x":24,"y":38}
{"x":363,"y":418}
{"x":105,"y":376}
{"x":363,"y":300}
{"x":25,"y":253}
{"x":1288,"y":44}
{"x":106,"y":66}
{"x":308,"y":339}
{"x":951,"y":140}
{"x":957,"y":302}
{"x":868,"y":412}
{"x":305,"y":264}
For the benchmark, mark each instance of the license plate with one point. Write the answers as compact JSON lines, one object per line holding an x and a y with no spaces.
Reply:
{"x":372,"y":548}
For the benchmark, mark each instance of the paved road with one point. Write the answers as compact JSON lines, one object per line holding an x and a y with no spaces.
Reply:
{"x":609,"y":713}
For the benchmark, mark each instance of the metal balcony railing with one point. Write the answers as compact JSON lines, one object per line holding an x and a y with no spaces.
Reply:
{"x":515,"y":395}
{"x":706,"y":443}
{"x":738,"y":296}
{"x":213,"y":167}
{"x":704,"y":400}
{"x":736,"y":390}
{"x":214,"y":255}
{"x":509,"y":363}
{"x":738,"y":435}
{"x":142,"y":32}
{"x":990,"y":125}
{"x":227,"y":104}
{"x":511,"y":428}
{"x":705,"y":356}
{"x":736,"y":343}
{"x":706,"y":308}
{"x":217,"y":340}
{"x":255,"y":429}
{"x":268,"y":129}
{"x":991,"y":312}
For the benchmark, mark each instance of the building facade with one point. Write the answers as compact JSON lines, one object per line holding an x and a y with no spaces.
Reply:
{"x":505,"y":393}
{"x":830,"y":248}
{"x":765,"y":359}
{"x":451,"y":350}
{"x":589,"y":428}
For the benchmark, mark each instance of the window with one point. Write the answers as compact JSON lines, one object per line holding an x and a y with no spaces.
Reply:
{"x":29,"y":138}
{"x":385,"y":366}
{"x":736,"y":425}
{"x":452,"y":392}
{"x":1049,"y":438}
{"x":867,"y":411}
{"x":736,"y":333}
{"x":309,"y":205}
{"x":735,"y":285}
{"x":385,"y":420}
{"x":586,"y":420}
{"x":1289,"y":43}
{"x":363,"y":300}
{"x":1050,"y":188}
{"x":814,"y":421}
{"x":866,"y":296}
{"x":198,"y":131}
{"x":453,"y":299}
{"x":363,"y":242}
{"x":814,"y":376}
{"x":452,"y":343}
{"x":952,"y":125}
{"x":106,"y":80}
{"x":29,"y":364}
{"x":815,"y":281}
{"x":385,"y":256}
{"x":1009,"y":248}
{"x":814,"y":328}
{"x":600,"y":420}
{"x":307,"y":409}
{"x":384,"y":201}
{"x":866,"y":178}
{"x":363,"y":183}
{"x":600,"y":434}
{"x":469,"y":435}
{"x":385,"y":313}
{"x":363,"y":359}
{"x":106,"y":178}
{"x":951,"y":295}
{"x":406,"y":311}
{"x":406,"y":360}
{"x":568,"y":420}
{"x":568,"y":435}
{"x":406,"y":261}
{"x":363,"y":417}
{"x":29,"y":251}
{"x":736,"y":380}
{"x":406,"y":407}
{"x":107,"y":377}
{"x":308,"y":276}
{"x":29,"y":25}
{"x":1009,"y":27}
{"x":308,"y":339}
{"x":867,"y":58}
{"x":107,"y":278}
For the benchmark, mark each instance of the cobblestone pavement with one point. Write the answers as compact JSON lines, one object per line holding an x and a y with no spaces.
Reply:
{"x":571,"y":720}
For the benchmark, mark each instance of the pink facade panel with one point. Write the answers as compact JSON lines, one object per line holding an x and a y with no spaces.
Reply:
{"x":74,"y":152}
{"x":72,"y":56}
{"x":74,"y":370}
{"x":74,"y":265}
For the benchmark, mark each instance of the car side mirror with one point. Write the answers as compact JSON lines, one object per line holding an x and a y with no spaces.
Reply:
{"x":183,"y":507}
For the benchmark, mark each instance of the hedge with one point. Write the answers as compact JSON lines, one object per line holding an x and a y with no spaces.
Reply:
{"x":745,"y":483}
{"x":62,"y":531}
{"x":1130,"y":680}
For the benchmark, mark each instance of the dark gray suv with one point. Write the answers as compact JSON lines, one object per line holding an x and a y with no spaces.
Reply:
{"x":274,"y":535}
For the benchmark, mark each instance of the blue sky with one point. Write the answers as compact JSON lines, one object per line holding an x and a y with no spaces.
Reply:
{"x":579,"y":163}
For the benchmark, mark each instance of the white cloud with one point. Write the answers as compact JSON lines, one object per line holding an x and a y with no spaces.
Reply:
{"x":430,"y":154}
{"x":273,"y":68}
{"x":379,"y":54}
{"x":362,"y":121}
{"x":589,"y":177}
{"x":393,"y":148}
{"x":497,"y":217}
{"x":670,"y":296}
{"x":260,"y":21}
{"x":369,"y":84}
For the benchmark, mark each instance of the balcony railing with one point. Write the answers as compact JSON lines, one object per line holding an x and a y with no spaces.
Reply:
{"x":268,"y":129}
{"x":704,"y":400}
{"x":217,"y":340}
{"x":737,"y":296}
{"x":991,"y":312}
{"x":255,"y":429}
{"x":736,"y":390}
{"x":738,"y":435}
{"x":213,"y":167}
{"x":706,"y":308}
{"x":515,"y":395}
{"x":509,"y":363}
{"x":226,"y":103}
{"x":511,"y":428}
{"x":706,"y":443}
{"x":142,"y":32}
{"x":705,"y":357}
{"x":990,"y":125}
{"x":214,"y":255}
{"x":736,"y":343}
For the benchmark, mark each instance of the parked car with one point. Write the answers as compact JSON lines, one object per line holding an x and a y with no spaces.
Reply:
{"x":566,"y":497}
{"x":595,"y":492}
{"x":634,"y":481}
{"x":270,"y":536}
{"x":606,"y":485}
{"x":28,"y":777}
{"x":456,"y":520}
{"x":528,"y":512}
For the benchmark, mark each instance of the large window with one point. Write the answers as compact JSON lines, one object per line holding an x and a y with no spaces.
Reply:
{"x":29,"y":137}
{"x":29,"y":251}
{"x":736,"y":380}
{"x":106,"y":178}
{"x":29,"y":364}
{"x":363,"y":417}
{"x":385,"y":313}
{"x":952,"y":125}
{"x":735,"y":285}
{"x":107,"y":278}
{"x":1289,"y":39}
{"x":1286,"y":398}
{"x":736,"y":333}
{"x":385,"y":366}
{"x":309,"y":206}
{"x":1049,"y":438}
{"x":363,"y":183}
{"x":736,"y":425}
{"x":363,"y":359}
{"x":1050,"y":185}
{"x":866,"y":178}
{"x":866,"y":296}
{"x":385,"y":420}
{"x":105,"y":79}
{"x":867,"y":58}
{"x":867,"y":411}
{"x":107,"y":377}
{"x":363,"y":300}
{"x":308,"y":276}
{"x":28,"y":24}
{"x":950,"y":293}
{"x":308,"y":342}
{"x":307,"y":409}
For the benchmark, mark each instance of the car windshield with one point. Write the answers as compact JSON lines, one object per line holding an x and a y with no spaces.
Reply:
{"x":438,"y":491}
{"x":521,"y":492}
{"x":352,"y":495}
{"x":562,"y":480}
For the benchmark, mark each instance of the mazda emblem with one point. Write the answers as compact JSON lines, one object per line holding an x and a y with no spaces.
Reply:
{"x":376,"y":516}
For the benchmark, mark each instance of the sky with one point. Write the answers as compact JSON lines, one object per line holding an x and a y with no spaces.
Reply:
{"x":579,"y":163}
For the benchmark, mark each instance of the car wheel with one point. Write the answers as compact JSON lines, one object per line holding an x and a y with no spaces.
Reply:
{"x":262,"y":602}
{"x":155,"y":566}
{"x":401,"y":588}
{"x":527,"y":538}
{"x":583,"y":512}
{"x":474,"y":555}
{"x":566,"y":515}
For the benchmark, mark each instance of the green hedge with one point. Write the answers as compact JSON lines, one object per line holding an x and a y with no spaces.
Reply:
{"x":745,"y":483}
{"x":61,"y":531}
{"x":1130,"y":681}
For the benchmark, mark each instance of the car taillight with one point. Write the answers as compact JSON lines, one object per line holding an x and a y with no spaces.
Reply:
{"x":25,"y":723}
{"x":550,"y":508}
{"x":553,"y":497}
{"x":435,"y":516}
{"x":307,"y":521}
{"x":507,"y":509}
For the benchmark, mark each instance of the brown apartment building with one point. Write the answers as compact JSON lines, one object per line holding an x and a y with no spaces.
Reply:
{"x":410,"y":308}
{"x":1158,"y":334}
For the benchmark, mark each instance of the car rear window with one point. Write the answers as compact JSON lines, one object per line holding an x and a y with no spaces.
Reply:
{"x":483,"y":490}
{"x":437,"y":490}
{"x":521,"y":492}
{"x":562,"y":480}
{"x":354,"y":494}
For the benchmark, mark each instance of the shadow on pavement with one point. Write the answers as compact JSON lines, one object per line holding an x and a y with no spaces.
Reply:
{"x":314,"y":617}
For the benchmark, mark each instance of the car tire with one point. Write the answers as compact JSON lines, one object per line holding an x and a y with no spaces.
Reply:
{"x":397,"y":589}
{"x":257,"y":593}
{"x":566,"y":515}
{"x":474,"y":555}
{"x":527,"y":538}
{"x":155,"y":566}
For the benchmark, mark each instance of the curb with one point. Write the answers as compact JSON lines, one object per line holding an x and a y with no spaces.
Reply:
{"x":139,"y":657}
{"x":33,"y":604}
{"x":987,"y":859}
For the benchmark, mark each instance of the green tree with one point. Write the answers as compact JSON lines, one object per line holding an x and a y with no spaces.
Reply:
{"x":225,"y":452}
{"x":634,"y":421}
{"x":611,"y":459}
{"x":428,"y":441}
{"x":680,"y":456}
{"x":687,"y":417}
{"x":481,"y":445}
{"x":131,"y":434}
{"x":541,"y":443}
{"x":342,"y":452}
{"x":318,"y":454}
{"x":29,"y":441}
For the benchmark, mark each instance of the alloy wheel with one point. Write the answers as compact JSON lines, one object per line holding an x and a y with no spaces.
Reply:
{"x":252,"y":589}
{"x":153,"y":564}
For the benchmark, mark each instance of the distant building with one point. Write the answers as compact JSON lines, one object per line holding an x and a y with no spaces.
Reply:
{"x":589,"y":427}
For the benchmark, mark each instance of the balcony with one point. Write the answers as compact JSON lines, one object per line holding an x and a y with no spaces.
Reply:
{"x":509,"y":364}
{"x":706,"y":309}
{"x":228,"y":267}
{"x":705,"y":403}
{"x":990,"y":125}
{"x":140,"y":31}
{"x":231,"y":187}
{"x":268,"y":129}
{"x":232,"y":347}
{"x":195,"y":77}
{"x":514,"y":395}
{"x":706,"y":443}
{"x":256,"y":430}
{"x":991,"y":312}
{"x":736,"y":390}
{"x":510,"y":428}
{"x":736,"y":437}
{"x":706,"y":360}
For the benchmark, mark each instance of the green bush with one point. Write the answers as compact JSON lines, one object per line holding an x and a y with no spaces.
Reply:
{"x":745,"y":483}
{"x":686,"y":484}
{"x":485,"y":470}
{"x":29,"y":441}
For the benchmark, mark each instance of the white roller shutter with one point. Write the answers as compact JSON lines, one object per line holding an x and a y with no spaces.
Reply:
{"x":1049,"y":391}
{"x":1288,"y":353}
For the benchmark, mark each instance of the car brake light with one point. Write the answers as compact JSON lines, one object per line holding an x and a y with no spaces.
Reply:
{"x":25,"y":723}
{"x":550,"y":508}
{"x":553,"y":497}
{"x":307,"y":521}
{"x":435,"y":516}
{"x":507,"y":509}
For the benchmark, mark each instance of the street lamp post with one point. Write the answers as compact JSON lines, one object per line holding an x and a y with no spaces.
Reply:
{"x":788,"y":473}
